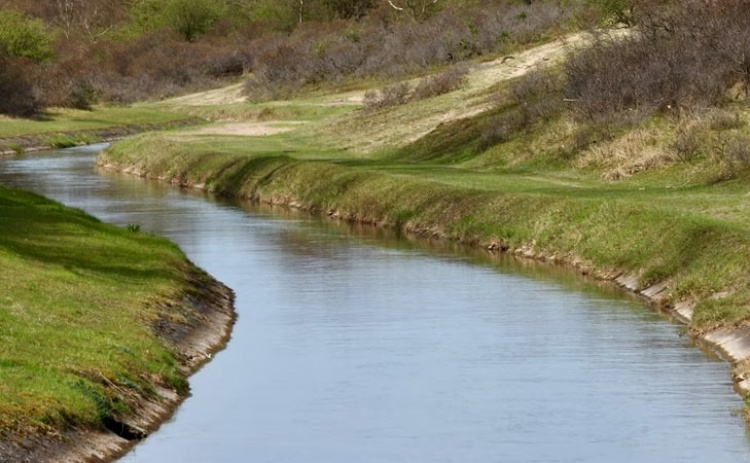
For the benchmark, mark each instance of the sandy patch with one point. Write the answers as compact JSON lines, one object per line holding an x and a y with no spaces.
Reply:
{"x":248,"y":129}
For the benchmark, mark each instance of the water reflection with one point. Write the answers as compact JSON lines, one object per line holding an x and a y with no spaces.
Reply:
{"x":355,"y":345}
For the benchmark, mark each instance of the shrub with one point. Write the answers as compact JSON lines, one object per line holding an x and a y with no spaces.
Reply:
{"x":392,"y":95}
{"x":24,"y":37}
{"x":439,"y":84}
{"x":720,"y":120}
{"x":538,"y":95}
{"x":501,"y":128}
{"x":688,"y":142}
{"x":654,"y":70}
{"x":735,"y":150}
{"x":17,"y":94}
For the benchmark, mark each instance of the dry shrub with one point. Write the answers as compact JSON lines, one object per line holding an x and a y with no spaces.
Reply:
{"x":502,"y":128}
{"x":439,"y":84}
{"x":532,"y":99}
{"x":654,"y":71}
{"x":689,"y":142}
{"x":17,"y":93}
{"x":734,"y":150}
{"x":392,"y":95}
{"x":538,"y":95}
{"x":380,"y":47}
{"x":720,"y":120}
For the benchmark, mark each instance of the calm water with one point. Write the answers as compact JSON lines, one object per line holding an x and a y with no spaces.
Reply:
{"x":353,"y":347}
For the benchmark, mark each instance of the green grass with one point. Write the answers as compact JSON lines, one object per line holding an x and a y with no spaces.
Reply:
{"x":71,"y":120}
{"x":77,"y":301}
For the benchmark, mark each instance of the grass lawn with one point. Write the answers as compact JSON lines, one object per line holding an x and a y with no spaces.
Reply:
{"x":77,"y":301}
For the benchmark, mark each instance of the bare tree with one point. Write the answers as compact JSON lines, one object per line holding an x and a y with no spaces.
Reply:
{"x":95,"y":18}
{"x":418,"y":9}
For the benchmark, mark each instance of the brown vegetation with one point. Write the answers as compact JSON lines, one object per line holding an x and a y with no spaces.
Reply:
{"x":672,"y":63}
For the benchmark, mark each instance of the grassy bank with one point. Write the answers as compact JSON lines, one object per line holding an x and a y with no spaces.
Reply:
{"x":86,"y":310}
{"x":656,"y":234}
{"x":498,"y":162}
{"x":653,"y":198}
{"x":61,"y":128}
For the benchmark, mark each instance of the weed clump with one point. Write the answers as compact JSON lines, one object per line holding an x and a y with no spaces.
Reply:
{"x":439,"y":84}
{"x":391,"y":95}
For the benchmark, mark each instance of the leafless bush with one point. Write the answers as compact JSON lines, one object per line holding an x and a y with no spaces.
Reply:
{"x":386,"y":48}
{"x":674,"y":64}
{"x":392,"y":95}
{"x":502,"y":128}
{"x":531,"y":99}
{"x":688,"y":142}
{"x":735,"y":150}
{"x":538,"y":95}
{"x":17,"y":93}
{"x":439,"y":84}
{"x":496,"y":28}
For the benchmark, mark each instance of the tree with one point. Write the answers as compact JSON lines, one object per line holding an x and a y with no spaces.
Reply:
{"x":189,"y":18}
{"x":417,"y":9}
{"x":193,"y":18}
{"x":93,"y":18}
{"x":24,"y":37}
{"x":17,"y":95}
{"x":349,"y":9}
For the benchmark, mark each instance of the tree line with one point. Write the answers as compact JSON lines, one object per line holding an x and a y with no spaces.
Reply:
{"x":78,"y":52}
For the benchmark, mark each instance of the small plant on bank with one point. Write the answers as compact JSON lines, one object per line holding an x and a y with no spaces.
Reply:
{"x":17,"y":148}
{"x":62,"y":141}
{"x":133,"y":227}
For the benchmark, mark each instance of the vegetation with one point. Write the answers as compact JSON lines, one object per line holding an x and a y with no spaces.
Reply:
{"x":79,"y":301}
{"x":630,"y":157}
{"x":78,"y":53}
{"x":620,"y":168}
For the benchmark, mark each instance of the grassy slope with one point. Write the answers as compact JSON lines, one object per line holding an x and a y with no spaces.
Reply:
{"x":65,"y":120}
{"x":60,"y":128}
{"x":78,"y":297}
{"x":657,"y":233}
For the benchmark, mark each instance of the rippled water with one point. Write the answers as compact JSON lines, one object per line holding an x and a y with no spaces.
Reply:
{"x":353,"y":346}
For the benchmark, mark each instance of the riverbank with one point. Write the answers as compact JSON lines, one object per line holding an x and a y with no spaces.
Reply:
{"x":620,"y":205}
{"x":101,"y":327}
{"x":679,"y":262}
{"x":63,"y":128}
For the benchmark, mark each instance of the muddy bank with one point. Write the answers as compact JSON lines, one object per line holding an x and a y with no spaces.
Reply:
{"x":45,"y":141}
{"x":209,"y":306}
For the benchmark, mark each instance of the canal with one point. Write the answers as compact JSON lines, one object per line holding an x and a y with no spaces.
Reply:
{"x":353,"y":345}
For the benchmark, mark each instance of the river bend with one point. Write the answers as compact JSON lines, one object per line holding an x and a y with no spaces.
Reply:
{"x":355,"y":346}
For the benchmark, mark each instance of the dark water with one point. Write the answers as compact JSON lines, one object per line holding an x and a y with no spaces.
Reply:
{"x":354,"y":347}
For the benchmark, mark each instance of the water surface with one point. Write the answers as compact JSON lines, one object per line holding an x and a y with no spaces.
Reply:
{"x":353,"y":346}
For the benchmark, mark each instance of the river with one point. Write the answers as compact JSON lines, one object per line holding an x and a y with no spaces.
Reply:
{"x":356,"y":346}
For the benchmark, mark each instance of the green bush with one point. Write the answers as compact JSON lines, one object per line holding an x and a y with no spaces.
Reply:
{"x":24,"y":37}
{"x":188,"y":18}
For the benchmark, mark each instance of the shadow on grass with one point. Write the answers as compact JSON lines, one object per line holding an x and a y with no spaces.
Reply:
{"x":37,"y":229}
